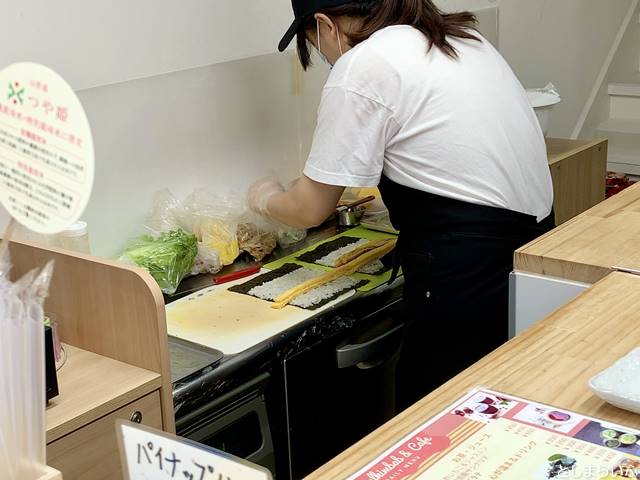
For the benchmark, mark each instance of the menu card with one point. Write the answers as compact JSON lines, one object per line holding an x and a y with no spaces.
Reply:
{"x":488,"y":435}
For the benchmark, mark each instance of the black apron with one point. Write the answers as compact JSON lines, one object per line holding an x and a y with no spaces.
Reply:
{"x":456,"y":258}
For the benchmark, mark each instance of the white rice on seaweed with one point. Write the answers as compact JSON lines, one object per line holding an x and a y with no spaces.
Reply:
{"x":372,"y":268}
{"x":324,"y":292}
{"x":273,"y":289}
{"x":330,"y":260}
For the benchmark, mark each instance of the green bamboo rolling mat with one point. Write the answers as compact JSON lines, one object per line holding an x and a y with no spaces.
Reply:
{"x":360,"y":232}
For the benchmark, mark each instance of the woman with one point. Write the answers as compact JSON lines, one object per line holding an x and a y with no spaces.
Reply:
{"x":420,"y":104}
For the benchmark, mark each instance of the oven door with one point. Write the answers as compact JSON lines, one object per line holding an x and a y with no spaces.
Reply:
{"x":341,"y":389}
{"x":236,"y":423}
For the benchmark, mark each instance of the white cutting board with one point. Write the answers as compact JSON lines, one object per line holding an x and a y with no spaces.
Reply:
{"x":232,"y":322}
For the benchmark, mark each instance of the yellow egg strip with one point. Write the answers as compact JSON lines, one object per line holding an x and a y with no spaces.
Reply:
{"x":347,"y":257}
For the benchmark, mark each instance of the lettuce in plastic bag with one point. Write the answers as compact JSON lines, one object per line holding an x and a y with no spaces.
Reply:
{"x":168,"y":257}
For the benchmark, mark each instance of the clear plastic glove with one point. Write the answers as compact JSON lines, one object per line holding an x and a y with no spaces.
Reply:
{"x":259,"y":194}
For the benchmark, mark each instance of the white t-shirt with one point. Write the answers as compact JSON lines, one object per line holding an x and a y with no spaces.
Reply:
{"x":459,"y":128}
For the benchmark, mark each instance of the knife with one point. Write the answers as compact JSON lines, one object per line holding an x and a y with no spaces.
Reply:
{"x":230,"y":277}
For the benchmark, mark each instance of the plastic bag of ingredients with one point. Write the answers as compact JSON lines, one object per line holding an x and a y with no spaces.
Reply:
{"x":164,"y":215}
{"x":168,"y":214}
{"x":213,"y":218}
{"x":168,"y":257}
{"x":256,"y":236}
{"x":259,"y":235}
{"x":207,"y":261}
{"x":288,"y":236}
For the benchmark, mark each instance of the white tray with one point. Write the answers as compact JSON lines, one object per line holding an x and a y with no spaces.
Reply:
{"x":624,"y":376}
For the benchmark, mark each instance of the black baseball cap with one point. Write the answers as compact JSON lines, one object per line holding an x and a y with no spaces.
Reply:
{"x":302,"y":9}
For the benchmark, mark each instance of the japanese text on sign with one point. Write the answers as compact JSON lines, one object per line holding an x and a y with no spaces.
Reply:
{"x":46,"y":149}
{"x":150,"y":454}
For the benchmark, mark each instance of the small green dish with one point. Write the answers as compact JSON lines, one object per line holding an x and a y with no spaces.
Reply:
{"x":612,"y":443}
{"x":628,"y":439}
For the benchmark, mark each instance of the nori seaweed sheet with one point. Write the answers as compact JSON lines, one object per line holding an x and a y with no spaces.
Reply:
{"x":325,"y":249}
{"x":287,"y":268}
{"x":264,"y":278}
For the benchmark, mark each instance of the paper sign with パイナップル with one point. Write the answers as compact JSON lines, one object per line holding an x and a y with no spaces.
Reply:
{"x":149,"y":454}
{"x":46,"y":149}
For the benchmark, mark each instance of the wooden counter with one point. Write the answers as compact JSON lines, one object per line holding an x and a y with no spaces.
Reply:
{"x":586,"y":248}
{"x":550,"y":363}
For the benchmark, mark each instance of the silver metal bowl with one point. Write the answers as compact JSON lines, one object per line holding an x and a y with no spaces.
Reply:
{"x":351,"y":216}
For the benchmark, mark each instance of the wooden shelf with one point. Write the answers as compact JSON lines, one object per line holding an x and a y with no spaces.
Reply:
{"x":578,"y":169}
{"x":549,"y":363}
{"x":92,"y":386}
{"x":561,"y":148}
{"x":108,"y":308}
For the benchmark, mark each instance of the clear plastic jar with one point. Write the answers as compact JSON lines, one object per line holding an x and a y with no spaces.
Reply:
{"x":75,"y":238}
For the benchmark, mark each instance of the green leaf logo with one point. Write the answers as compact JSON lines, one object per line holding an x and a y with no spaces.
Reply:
{"x":16,"y":93}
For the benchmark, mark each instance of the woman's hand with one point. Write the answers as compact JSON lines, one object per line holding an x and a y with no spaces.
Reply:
{"x":306,"y":204}
{"x":259,"y":194}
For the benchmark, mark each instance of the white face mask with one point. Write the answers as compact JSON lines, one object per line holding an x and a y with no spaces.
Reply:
{"x":322,"y":55}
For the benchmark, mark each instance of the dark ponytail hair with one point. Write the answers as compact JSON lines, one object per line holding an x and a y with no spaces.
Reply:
{"x":378,"y":14}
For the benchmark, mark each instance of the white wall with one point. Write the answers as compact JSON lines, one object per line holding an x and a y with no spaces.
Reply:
{"x":624,"y":68}
{"x":97,"y":42}
{"x":563,"y":41}
{"x":220,"y":126}
{"x":228,"y":106}
{"x":179,"y":94}
{"x":455,"y":5}
{"x":94,"y":42}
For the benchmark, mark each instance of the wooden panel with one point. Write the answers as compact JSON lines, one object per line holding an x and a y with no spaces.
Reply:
{"x":107,"y":308}
{"x":578,"y":169}
{"x":550,"y":363}
{"x":586,"y":248}
{"x":91,"y":453}
{"x":92,"y":386}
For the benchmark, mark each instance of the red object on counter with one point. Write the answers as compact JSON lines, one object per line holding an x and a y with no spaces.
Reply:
{"x":615,"y":183}
{"x":230,"y":277}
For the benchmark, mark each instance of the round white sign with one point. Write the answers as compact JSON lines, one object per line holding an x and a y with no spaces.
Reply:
{"x":46,"y":149}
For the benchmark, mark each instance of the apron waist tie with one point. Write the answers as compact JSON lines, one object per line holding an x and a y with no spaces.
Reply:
{"x":398,"y":257}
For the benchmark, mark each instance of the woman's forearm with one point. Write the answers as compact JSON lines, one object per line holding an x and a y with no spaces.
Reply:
{"x":285,"y":208}
{"x":307,"y":204}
